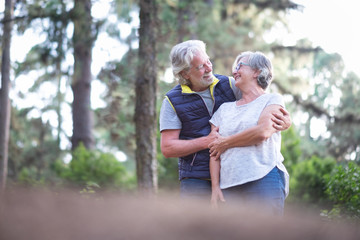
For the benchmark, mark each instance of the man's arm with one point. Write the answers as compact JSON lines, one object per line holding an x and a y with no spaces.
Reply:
{"x":172,"y":146}
{"x":272,"y":119}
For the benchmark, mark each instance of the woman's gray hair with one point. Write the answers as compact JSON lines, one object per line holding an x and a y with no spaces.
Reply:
{"x":258,"y":61}
{"x":181,"y":56}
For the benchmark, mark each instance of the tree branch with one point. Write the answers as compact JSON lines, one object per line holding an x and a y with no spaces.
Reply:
{"x":277,"y":5}
{"x":318,"y":111}
{"x":296,"y":48}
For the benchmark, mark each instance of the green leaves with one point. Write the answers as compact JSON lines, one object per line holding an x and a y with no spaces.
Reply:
{"x":343,"y":188}
{"x":91,"y":167}
{"x":308,"y":180}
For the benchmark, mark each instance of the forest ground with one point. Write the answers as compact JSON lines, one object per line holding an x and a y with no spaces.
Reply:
{"x":33,"y":214}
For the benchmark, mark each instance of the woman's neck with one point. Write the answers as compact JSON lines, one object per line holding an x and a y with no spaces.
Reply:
{"x":250,"y":95}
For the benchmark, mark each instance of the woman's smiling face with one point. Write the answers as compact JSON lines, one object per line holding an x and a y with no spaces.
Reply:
{"x":242,"y":72}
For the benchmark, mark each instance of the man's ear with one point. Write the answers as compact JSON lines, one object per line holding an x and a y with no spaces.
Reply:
{"x":185,"y":75}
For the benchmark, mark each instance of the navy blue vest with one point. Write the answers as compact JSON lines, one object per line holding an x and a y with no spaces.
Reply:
{"x":194,"y":116}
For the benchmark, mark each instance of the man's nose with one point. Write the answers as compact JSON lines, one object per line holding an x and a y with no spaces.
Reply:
{"x":208,"y":67}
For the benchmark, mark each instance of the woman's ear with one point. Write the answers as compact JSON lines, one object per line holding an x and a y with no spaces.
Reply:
{"x":256,"y":74}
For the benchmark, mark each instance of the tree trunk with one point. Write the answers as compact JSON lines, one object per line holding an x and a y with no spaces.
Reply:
{"x":145,"y":110}
{"x":81,"y":85}
{"x":60,"y":32}
{"x":4,"y":95}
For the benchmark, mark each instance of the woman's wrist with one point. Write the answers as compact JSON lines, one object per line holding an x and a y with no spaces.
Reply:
{"x":224,"y":145}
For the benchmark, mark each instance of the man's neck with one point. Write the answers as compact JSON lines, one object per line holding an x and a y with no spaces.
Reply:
{"x":199,"y":89}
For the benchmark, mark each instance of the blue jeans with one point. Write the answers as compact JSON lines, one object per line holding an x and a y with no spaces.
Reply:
{"x":193,"y":188}
{"x":267,"y":192}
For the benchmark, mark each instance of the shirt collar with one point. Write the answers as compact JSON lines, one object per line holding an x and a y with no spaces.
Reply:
{"x":187,"y":89}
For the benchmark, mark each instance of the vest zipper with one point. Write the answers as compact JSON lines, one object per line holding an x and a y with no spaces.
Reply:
{"x":192,"y":162}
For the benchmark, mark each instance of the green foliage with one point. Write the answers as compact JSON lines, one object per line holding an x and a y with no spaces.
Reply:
{"x":90,"y":167}
{"x":32,"y":149}
{"x":168,"y":172}
{"x":330,"y":95}
{"x":290,"y":148}
{"x":124,"y":8}
{"x":168,"y":176}
{"x":28,"y":176}
{"x":114,"y":122}
{"x":343,"y":188}
{"x":308,"y":180}
{"x":345,"y":130}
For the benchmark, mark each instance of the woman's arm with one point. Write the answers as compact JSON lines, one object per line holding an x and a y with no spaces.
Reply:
{"x":254,"y":135}
{"x":216,"y":193}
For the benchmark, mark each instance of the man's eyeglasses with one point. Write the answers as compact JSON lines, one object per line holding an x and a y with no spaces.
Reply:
{"x":207,"y":63}
{"x":239,"y":65}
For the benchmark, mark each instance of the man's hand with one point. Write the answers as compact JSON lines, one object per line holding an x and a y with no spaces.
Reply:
{"x":213,"y":135}
{"x":281,"y":121}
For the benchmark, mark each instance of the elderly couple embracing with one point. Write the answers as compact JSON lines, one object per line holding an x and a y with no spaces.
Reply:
{"x":226,"y":131}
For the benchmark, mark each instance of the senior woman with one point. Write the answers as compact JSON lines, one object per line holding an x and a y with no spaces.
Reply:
{"x":255,"y":173}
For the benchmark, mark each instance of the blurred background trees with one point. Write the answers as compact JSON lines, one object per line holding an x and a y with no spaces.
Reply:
{"x":321,"y":149}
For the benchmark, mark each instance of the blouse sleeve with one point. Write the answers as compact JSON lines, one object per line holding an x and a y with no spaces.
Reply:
{"x":276,"y":99}
{"x":215,"y":119}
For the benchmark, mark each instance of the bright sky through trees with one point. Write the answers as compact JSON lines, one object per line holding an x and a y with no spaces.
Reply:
{"x":332,"y":25}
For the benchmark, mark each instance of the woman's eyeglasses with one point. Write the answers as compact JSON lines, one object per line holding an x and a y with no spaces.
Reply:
{"x":239,"y":66}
